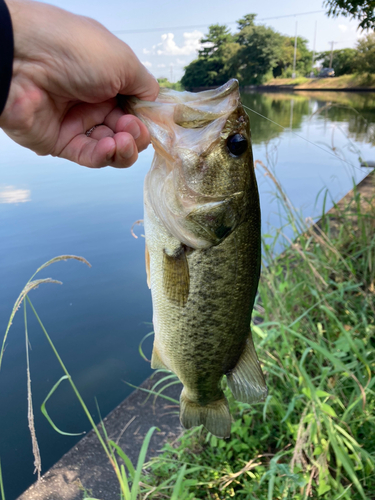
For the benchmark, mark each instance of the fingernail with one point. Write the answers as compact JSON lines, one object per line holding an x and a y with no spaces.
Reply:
{"x":133,"y":129}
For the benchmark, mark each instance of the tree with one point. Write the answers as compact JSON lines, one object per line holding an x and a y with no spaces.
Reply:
{"x":218,"y":36}
{"x":243,"y":23}
{"x":202,"y":73}
{"x":259,"y":53}
{"x":343,"y":61}
{"x":303,"y":58}
{"x":362,"y":10}
{"x":366,"y":54}
{"x":215,"y":63}
{"x":250,"y":55}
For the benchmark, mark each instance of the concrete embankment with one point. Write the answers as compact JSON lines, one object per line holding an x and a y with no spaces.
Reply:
{"x":86,"y":465}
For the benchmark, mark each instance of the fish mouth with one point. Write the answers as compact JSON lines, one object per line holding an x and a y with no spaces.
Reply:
{"x":169,"y":95}
{"x":190,"y":186}
{"x":185,"y":120}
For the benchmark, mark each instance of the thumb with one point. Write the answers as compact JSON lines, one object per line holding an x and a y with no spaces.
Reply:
{"x":138,"y":81}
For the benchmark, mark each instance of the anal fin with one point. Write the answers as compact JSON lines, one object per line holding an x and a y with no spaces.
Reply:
{"x":156,"y":362}
{"x":215,"y":416}
{"x":246,"y":380}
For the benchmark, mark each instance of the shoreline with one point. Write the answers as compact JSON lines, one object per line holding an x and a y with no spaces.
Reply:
{"x":291,"y":88}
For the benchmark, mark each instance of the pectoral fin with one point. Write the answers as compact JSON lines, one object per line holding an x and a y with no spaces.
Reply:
{"x":147,"y":258}
{"x":176,"y":279}
{"x":246,"y":380}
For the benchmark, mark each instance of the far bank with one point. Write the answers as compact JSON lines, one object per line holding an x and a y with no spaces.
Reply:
{"x":347,"y":83}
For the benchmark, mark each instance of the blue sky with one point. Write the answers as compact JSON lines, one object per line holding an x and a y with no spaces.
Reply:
{"x":166,"y":52}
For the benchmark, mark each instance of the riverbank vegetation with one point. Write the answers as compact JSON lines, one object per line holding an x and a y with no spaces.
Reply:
{"x":256,"y":53}
{"x":314,"y":437}
{"x":341,"y":82}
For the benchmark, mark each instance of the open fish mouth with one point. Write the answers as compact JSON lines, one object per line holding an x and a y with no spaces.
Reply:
{"x":196,"y":119}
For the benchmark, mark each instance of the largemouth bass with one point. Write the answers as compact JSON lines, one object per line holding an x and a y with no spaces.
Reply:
{"x":202,"y":228}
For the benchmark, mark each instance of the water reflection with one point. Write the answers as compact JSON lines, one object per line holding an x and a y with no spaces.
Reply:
{"x":10,"y":194}
{"x":287,"y":110}
{"x":356,"y":110}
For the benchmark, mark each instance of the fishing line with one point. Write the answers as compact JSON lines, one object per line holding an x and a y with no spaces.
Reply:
{"x":304,"y":138}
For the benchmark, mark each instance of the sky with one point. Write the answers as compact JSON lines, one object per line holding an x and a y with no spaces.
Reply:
{"x":166,"y":33}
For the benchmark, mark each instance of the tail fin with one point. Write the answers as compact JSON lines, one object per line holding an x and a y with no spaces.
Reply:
{"x":214,"y":416}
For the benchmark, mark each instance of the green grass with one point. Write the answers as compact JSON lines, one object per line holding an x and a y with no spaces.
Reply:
{"x":314,"y":437}
{"x":164,"y":82}
{"x":339,"y":82}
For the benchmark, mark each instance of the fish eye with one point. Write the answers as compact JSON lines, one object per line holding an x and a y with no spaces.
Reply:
{"x":237,"y":144}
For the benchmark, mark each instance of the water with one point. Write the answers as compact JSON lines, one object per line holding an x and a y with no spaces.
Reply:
{"x":50,"y":207}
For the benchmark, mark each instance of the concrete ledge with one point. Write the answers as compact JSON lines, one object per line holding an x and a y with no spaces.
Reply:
{"x":87,"y":466}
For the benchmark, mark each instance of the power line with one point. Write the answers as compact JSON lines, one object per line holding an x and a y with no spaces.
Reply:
{"x":192,"y":26}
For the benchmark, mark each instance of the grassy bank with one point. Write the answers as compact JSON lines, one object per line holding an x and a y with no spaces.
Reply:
{"x":314,"y":437}
{"x":340,"y":82}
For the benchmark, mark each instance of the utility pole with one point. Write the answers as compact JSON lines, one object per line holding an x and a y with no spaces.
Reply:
{"x":171,"y":67}
{"x":313,"y":56}
{"x":295,"y":53}
{"x":330,"y":61}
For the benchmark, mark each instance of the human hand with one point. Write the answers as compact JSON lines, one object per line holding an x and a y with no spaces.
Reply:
{"x":67,"y":72}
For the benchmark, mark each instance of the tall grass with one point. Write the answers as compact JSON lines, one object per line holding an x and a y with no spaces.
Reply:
{"x":128,"y":476}
{"x":314,"y":437}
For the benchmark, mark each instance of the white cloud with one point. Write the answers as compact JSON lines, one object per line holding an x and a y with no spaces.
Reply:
{"x":146,"y":51}
{"x":168,"y":46}
{"x":181,"y":61}
{"x":342,"y":27}
{"x":9,"y":194}
{"x":161,"y":66}
{"x":147,"y":64}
